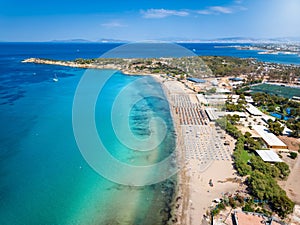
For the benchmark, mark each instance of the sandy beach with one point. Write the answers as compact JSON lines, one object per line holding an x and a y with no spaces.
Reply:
{"x":291,"y":186}
{"x":202,"y":155}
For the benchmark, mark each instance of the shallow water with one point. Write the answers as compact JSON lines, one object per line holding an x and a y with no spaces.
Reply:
{"x":44,"y":178}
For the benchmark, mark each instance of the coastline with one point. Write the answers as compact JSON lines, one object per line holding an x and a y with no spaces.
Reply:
{"x":121,"y":66}
{"x":180,"y":201}
{"x":194,"y":196}
{"x":181,"y":197}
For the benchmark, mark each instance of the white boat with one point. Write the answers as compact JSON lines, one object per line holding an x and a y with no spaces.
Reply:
{"x":55,"y":79}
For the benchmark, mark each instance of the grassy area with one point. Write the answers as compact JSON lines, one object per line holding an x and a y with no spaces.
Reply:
{"x":245,"y":156}
{"x":287,"y":92}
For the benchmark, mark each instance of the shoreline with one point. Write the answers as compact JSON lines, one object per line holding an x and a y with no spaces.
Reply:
{"x":194,"y":196}
{"x":125,"y":71}
{"x":179,"y":203}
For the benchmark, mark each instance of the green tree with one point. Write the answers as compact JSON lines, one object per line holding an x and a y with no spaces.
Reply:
{"x":283,"y":168}
{"x":293,"y":155}
{"x":276,"y":128}
{"x":265,"y":188}
{"x":212,"y":90}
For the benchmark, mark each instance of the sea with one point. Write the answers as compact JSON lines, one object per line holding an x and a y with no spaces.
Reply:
{"x":44,"y":177}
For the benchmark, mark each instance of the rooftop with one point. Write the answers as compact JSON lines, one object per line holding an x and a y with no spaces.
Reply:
{"x":223,"y":90}
{"x":201,"y":98}
{"x":212,"y":113}
{"x":249,"y":219}
{"x":249,"y":99}
{"x":236,"y":79}
{"x":214,"y":99}
{"x":253,"y":110}
{"x":269,"y":137}
{"x":268,"y":155}
{"x":240,"y":114}
{"x":252,"y":218}
{"x":196,"y":80}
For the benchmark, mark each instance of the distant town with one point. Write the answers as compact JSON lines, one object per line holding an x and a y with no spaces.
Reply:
{"x":274,"y":48}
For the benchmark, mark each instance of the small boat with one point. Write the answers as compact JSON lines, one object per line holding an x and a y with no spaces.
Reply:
{"x":55,"y":79}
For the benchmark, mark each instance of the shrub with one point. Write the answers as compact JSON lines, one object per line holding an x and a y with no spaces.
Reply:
{"x":293,"y":155}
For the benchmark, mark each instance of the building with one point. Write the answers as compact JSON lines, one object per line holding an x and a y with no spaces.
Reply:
{"x":212,"y":113}
{"x":214,"y":83}
{"x":286,"y":131}
{"x":268,"y":156}
{"x":253,"y":110}
{"x":235,"y":98}
{"x":252,"y":218}
{"x":249,"y":99}
{"x":202,"y":100}
{"x":266,"y":118}
{"x":236,"y":79}
{"x":240,"y":114}
{"x":241,"y":218}
{"x":222,"y":91}
{"x":216,"y":99}
{"x":196,"y":80}
{"x":236,"y":83}
{"x":269,"y":138}
{"x":296,"y":98}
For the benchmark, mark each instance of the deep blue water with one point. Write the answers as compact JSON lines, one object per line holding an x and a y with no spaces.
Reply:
{"x":218,"y":49}
{"x":43,"y":177}
{"x":94,"y":50}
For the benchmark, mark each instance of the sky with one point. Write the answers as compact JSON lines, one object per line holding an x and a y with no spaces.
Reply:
{"x":137,"y":20}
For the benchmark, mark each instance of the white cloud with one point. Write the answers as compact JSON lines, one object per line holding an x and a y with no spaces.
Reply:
{"x":221,"y":9}
{"x":112,"y":24}
{"x":162,"y":13}
{"x":215,"y":10}
{"x":238,"y":1}
{"x":204,"y":12}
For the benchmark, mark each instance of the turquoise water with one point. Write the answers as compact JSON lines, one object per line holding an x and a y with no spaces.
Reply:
{"x":44,"y":178}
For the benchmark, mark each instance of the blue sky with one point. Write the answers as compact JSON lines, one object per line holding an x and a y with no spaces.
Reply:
{"x":136,"y":20}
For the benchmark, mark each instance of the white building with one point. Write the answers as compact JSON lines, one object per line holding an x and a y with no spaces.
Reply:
{"x":253,"y":110}
{"x":269,"y":138}
{"x":240,"y":114}
{"x":268,"y":156}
